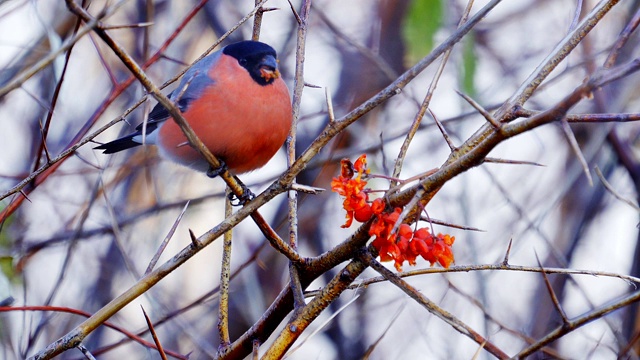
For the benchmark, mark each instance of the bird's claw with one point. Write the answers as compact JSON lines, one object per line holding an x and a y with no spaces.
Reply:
{"x":246,"y":196}
{"x":215,"y":172}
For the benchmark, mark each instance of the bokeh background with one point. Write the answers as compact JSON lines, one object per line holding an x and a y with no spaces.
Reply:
{"x":89,"y":229}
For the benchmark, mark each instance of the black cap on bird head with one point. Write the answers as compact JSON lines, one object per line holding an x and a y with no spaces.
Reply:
{"x":258,"y":58}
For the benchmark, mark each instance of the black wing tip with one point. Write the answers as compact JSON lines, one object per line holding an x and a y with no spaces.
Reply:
{"x":105,"y":149}
{"x":118,"y":145}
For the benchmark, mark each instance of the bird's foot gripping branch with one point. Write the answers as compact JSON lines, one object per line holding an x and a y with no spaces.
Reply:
{"x":398,"y":244}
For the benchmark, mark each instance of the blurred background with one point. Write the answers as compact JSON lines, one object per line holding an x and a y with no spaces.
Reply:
{"x":93,"y":222}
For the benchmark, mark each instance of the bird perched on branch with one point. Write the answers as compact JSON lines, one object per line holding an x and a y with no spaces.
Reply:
{"x":236,"y":103}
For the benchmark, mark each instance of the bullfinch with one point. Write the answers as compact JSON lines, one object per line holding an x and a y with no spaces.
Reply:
{"x":234,"y":100}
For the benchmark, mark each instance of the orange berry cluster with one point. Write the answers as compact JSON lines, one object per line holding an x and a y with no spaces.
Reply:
{"x":403,"y":245}
{"x":406,"y":244}
{"x":355,"y":199}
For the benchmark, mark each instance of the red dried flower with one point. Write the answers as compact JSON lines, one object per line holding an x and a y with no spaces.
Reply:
{"x":406,"y":244}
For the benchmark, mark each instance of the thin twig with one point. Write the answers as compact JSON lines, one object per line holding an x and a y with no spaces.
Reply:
{"x":443,"y":131}
{"x":163,"y":355}
{"x":327,"y":95}
{"x":512,"y":162}
{"x":552,"y":293}
{"x":374,"y":344}
{"x":573,"y":142}
{"x":257,"y":22}
{"x":586,"y":118}
{"x":505,"y":261}
{"x":165,"y":242}
{"x":613,"y":192}
{"x":622,"y":40}
{"x":85,"y":352}
{"x":450,"y":225}
{"x":306,"y":189}
{"x":130,"y":26}
{"x":632,"y":280}
{"x":481,"y":110}
{"x":225,"y":274}
{"x":298,"y":86}
{"x":295,"y":13}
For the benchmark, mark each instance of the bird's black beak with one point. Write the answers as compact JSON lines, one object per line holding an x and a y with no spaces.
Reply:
{"x":269,"y":68}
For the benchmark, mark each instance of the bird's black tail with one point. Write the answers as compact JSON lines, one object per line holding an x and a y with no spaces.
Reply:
{"x":117,"y":145}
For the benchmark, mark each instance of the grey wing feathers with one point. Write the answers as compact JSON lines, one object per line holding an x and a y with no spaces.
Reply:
{"x":196,"y":80}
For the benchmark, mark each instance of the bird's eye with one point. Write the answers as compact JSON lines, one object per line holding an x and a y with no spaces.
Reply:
{"x":243,"y":62}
